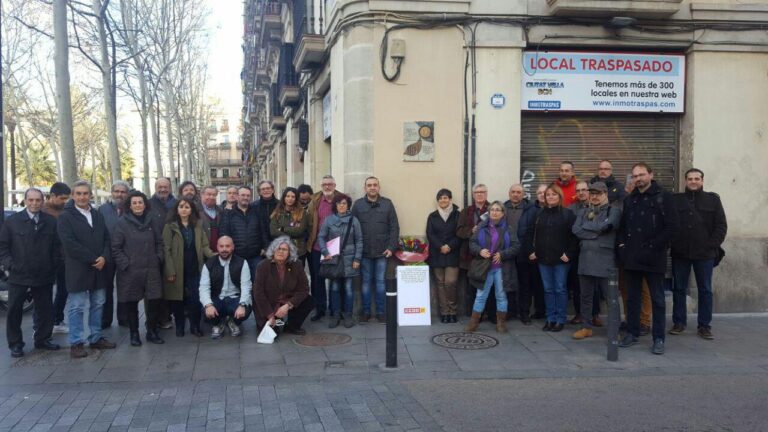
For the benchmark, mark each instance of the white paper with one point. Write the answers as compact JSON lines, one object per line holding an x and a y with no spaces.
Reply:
{"x":267,"y":335}
{"x":413,"y":306}
{"x":333,"y":246}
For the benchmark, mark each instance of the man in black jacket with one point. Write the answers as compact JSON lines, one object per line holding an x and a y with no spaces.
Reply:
{"x":265,"y":206}
{"x":616,"y":190}
{"x":648,"y":224}
{"x":85,"y":241}
{"x":702,"y":230}
{"x":30,"y":254}
{"x":244,"y":225}
{"x":378,"y":221}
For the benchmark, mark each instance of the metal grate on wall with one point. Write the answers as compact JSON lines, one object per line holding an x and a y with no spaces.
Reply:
{"x":585,"y":139}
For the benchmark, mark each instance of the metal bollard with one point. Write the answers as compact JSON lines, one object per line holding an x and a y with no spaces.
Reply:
{"x":391,"y":323}
{"x":613,"y":319}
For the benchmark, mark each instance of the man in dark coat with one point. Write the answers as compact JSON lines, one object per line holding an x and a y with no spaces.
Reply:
{"x":514,"y":208}
{"x":211,"y":214}
{"x":648,"y":225}
{"x":112,"y":211}
{"x":529,"y":278}
{"x":616,"y":189}
{"x":381,"y":231}
{"x":57,"y":198}
{"x":265,"y":206}
{"x":244,"y":226}
{"x":29,"y":253}
{"x":469,"y":218}
{"x":702,"y":230}
{"x":162,"y":201}
{"x":85,"y":241}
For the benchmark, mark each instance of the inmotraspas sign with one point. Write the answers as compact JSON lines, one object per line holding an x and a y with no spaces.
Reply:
{"x":603,"y":81}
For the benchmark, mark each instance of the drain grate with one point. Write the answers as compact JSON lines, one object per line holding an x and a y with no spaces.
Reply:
{"x":323,"y":339}
{"x":464,"y":341}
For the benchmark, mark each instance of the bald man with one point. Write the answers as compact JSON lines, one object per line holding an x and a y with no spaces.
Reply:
{"x":225,"y":290}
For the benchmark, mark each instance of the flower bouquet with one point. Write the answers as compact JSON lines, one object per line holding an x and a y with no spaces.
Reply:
{"x":412,"y":251}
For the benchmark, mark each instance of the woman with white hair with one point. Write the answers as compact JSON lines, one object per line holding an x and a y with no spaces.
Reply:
{"x":281,"y":289}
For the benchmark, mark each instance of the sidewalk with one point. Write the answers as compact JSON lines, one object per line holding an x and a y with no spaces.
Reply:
{"x":235,"y":384}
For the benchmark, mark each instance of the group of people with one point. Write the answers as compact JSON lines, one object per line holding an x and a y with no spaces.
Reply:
{"x":593,"y":239}
{"x":192,"y":260}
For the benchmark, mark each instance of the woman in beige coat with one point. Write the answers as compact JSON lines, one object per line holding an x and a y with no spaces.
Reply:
{"x":186,"y":249}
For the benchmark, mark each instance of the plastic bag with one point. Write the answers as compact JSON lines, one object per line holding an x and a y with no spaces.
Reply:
{"x":267,"y":335}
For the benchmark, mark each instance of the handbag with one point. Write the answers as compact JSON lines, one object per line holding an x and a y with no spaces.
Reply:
{"x":334,"y":267}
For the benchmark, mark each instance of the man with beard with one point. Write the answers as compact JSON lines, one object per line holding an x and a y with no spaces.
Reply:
{"x":266,"y":205}
{"x":112,"y":211}
{"x":567,"y":183}
{"x":616,"y":190}
{"x":54,"y":206}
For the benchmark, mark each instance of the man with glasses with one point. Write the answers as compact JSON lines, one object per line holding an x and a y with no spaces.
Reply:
{"x":266,"y":205}
{"x":319,"y":208}
{"x":574,"y":286}
{"x":469,"y":218}
{"x":616,"y":191}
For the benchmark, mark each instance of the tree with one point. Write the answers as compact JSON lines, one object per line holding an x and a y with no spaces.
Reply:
{"x":63,"y":97}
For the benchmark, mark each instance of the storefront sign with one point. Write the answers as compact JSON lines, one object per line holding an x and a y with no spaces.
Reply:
{"x":600,"y":81}
{"x":413,"y":308}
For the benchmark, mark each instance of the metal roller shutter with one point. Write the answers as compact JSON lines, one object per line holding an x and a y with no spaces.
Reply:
{"x":585,"y":139}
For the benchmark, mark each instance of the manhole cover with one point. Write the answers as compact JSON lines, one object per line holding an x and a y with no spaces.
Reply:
{"x":54,"y":358}
{"x":323,"y":339}
{"x":464,"y":341}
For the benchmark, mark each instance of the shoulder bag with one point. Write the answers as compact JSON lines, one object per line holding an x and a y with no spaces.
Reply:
{"x":334,"y":267}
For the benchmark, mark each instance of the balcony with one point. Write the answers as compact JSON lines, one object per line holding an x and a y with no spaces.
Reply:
{"x":289,"y":95}
{"x":277,"y":122}
{"x":224,"y":162}
{"x":310,"y":53}
{"x":271,"y":23}
{"x":629,"y":8}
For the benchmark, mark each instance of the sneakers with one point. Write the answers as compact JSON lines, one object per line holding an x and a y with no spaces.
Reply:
{"x":333,"y":322}
{"x":677,"y":329}
{"x":61,"y":328}
{"x":349,"y":322}
{"x":658,"y":347}
{"x":628,"y":341}
{"x":234,"y":329}
{"x":17,"y":351}
{"x":103,"y":343}
{"x":705,"y":333}
{"x":217,"y":331}
{"x":78,"y":351}
{"x":582,"y":334}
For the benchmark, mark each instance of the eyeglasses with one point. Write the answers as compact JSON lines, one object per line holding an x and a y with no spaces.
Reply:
{"x":480,"y":192}
{"x":496,"y":210}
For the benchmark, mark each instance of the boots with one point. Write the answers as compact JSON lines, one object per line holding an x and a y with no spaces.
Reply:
{"x":153,"y":336}
{"x":501,"y":322}
{"x":135,"y":339}
{"x":474,"y":322}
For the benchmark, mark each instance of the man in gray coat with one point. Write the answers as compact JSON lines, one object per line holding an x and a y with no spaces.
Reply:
{"x":112,"y":211}
{"x":596,"y":227}
{"x":378,"y":221}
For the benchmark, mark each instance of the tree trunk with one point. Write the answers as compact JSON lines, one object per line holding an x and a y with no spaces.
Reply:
{"x":109,"y":106}
{"x":144,"y":137}
{"x":24,"y":150}
{"x":154,"y":128}
{"x":63,"y":97}
{"x":170,"y":107}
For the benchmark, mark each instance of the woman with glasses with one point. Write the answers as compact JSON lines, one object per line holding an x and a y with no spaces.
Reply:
{"x":494,"y":242}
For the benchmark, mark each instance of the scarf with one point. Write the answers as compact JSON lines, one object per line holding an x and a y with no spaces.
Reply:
{"x":445,"y":213}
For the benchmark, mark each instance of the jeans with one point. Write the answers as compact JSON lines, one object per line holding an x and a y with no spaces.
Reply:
{"x":318,"y":284}
{"x":658,"y":303}
{"x":374,"y":269}
{"x":226,"y":307}
{"x":554,"y":278}
{"x":76,"y":306}
{"x":43,"y":322}
{"x":349,"y":300}
{"x":493,"y":279}
{"x":702,"y":270}
{"x":60,"y":300}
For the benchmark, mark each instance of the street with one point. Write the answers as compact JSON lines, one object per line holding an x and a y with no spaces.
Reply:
{"x":530,"y":381}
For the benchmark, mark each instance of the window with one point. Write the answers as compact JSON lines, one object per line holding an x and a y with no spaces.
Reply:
{"x":225,"y":173}
{"x":213,"y":173}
